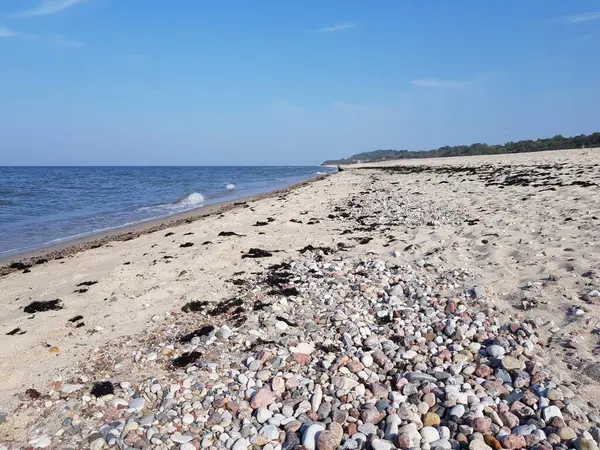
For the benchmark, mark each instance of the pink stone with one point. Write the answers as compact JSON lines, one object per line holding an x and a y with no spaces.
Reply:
{"x":262,"y":399}
{"x":514,"y":441}
{"x":482,"y":424}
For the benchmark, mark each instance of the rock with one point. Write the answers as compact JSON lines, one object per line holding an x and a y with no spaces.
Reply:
{"x":379,"y":358}
{"x":586,"y":444}
{"x":355,"y":366}
{"x":492,"y":442}
{"x":409,"y":354}
{"x":429,"y":434}
{"x":429,"y":398}
{"x":555,"y":395}
{"x":431,"y":420}
{"x":137,"y":404}
{"x":304,"y":348}
{"x":514,"y":441}
{"x":41,"y":442}
{"x":509,"y":419}
{"x":567,"y":433}
{"x":367,"y":360}
{"x":524,"y":430}
{"x":370,"y":415}
{"x":340,"y":416}
{"x":187,"y":419}
{"x":181,"y":438}
{"x":510,"y":363}
{"x":378,"y":390}
{"x":316,"y":398}
{"x":187,"y":446}
{"x":263,"y":414}
{"x":550,"y":412}
{"x":309,"y":436}
{"x":269,"y":432}
{"x":324,"y":410}
{"x":457,"y":411}
{"x":408,"y":436}
{"x":380,"y":444}
{"x":392,"y":424}
{"x":479,"y":444}
{"x":337,"y":430}
{"x":262,"y":398}
{"x":278,"y":385}
{"x":420,"y":376}
{"x":281,"y":325}
{"x":240,"y":444}
{"x":326,"y":440}
{"x":482,"y":425}
{"x":495,"y":351}
{"x":367,"y":428}
{"x":441,"y":444}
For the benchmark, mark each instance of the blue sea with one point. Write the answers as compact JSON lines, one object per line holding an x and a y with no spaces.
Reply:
{"x":43,"y":206}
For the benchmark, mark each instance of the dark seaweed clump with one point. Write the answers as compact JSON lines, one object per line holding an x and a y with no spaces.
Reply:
{"x":257,"y":253}
{"x":186,"y":359}
{"x":204,"y":331}
{"x":42,"y":306}
{"x":194,"y":306}
{"x":102,"y":388}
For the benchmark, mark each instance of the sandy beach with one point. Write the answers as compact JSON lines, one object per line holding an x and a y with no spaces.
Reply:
{"x":419,"y":265}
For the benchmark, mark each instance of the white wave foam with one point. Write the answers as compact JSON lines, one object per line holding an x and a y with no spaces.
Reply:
{"x":195,"y":198}
{"x":321,"y":173}
{"x":230,"y":187}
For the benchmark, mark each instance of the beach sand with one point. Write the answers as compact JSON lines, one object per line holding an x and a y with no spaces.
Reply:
{"x":525,"y":228}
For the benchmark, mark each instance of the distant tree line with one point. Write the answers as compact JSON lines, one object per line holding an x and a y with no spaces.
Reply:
{"x":557,"y":142}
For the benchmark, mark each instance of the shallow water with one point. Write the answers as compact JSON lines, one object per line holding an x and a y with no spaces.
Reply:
{"x":41,"y":206}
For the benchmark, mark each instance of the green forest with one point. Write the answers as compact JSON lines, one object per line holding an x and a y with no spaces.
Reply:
{"x":557,"y":142}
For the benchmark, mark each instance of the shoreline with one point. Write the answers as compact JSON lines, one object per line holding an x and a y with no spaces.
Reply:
{"x":470,"y":287}
{"x":70,"y":247}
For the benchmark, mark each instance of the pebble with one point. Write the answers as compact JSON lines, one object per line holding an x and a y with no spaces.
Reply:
{"x":429,"y":434}
{"x":262,"y":398}
{"x":380,"y":444}
{"x":181,"y":438}
{"x":137,"y":404}
{"x":240,"y":444}
{"x":367,"y":360}
{"x":309,"y":436}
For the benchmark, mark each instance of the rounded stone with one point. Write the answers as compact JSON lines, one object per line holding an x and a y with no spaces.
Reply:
{"x":429,"y":434}
{"x":431,"y":419}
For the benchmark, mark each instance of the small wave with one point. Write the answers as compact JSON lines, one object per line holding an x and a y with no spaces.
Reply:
{"x":195,"y":198}
{"x":183,"y":204}
{"x":230,"y":187}
{"x":321,"y":173}
{"x":7,"y":203}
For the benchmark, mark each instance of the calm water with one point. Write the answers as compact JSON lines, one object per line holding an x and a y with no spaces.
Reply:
{"x":41,"y":206}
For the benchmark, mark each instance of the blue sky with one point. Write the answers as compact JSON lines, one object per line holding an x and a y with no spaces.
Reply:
{"x":288,"y":82}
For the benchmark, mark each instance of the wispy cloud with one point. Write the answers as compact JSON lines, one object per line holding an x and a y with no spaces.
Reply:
{"x":338,"y":27}
{"x":56,"y":40}
{"x":46,"y":8}
{"x":6,"y":33}
{"x":583,"y":17}
{"x":440,"y":84}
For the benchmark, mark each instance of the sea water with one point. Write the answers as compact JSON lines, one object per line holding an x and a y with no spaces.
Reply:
{"x":43,"y":206}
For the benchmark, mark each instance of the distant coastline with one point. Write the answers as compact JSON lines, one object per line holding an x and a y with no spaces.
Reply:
{"x":557,"y":142}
